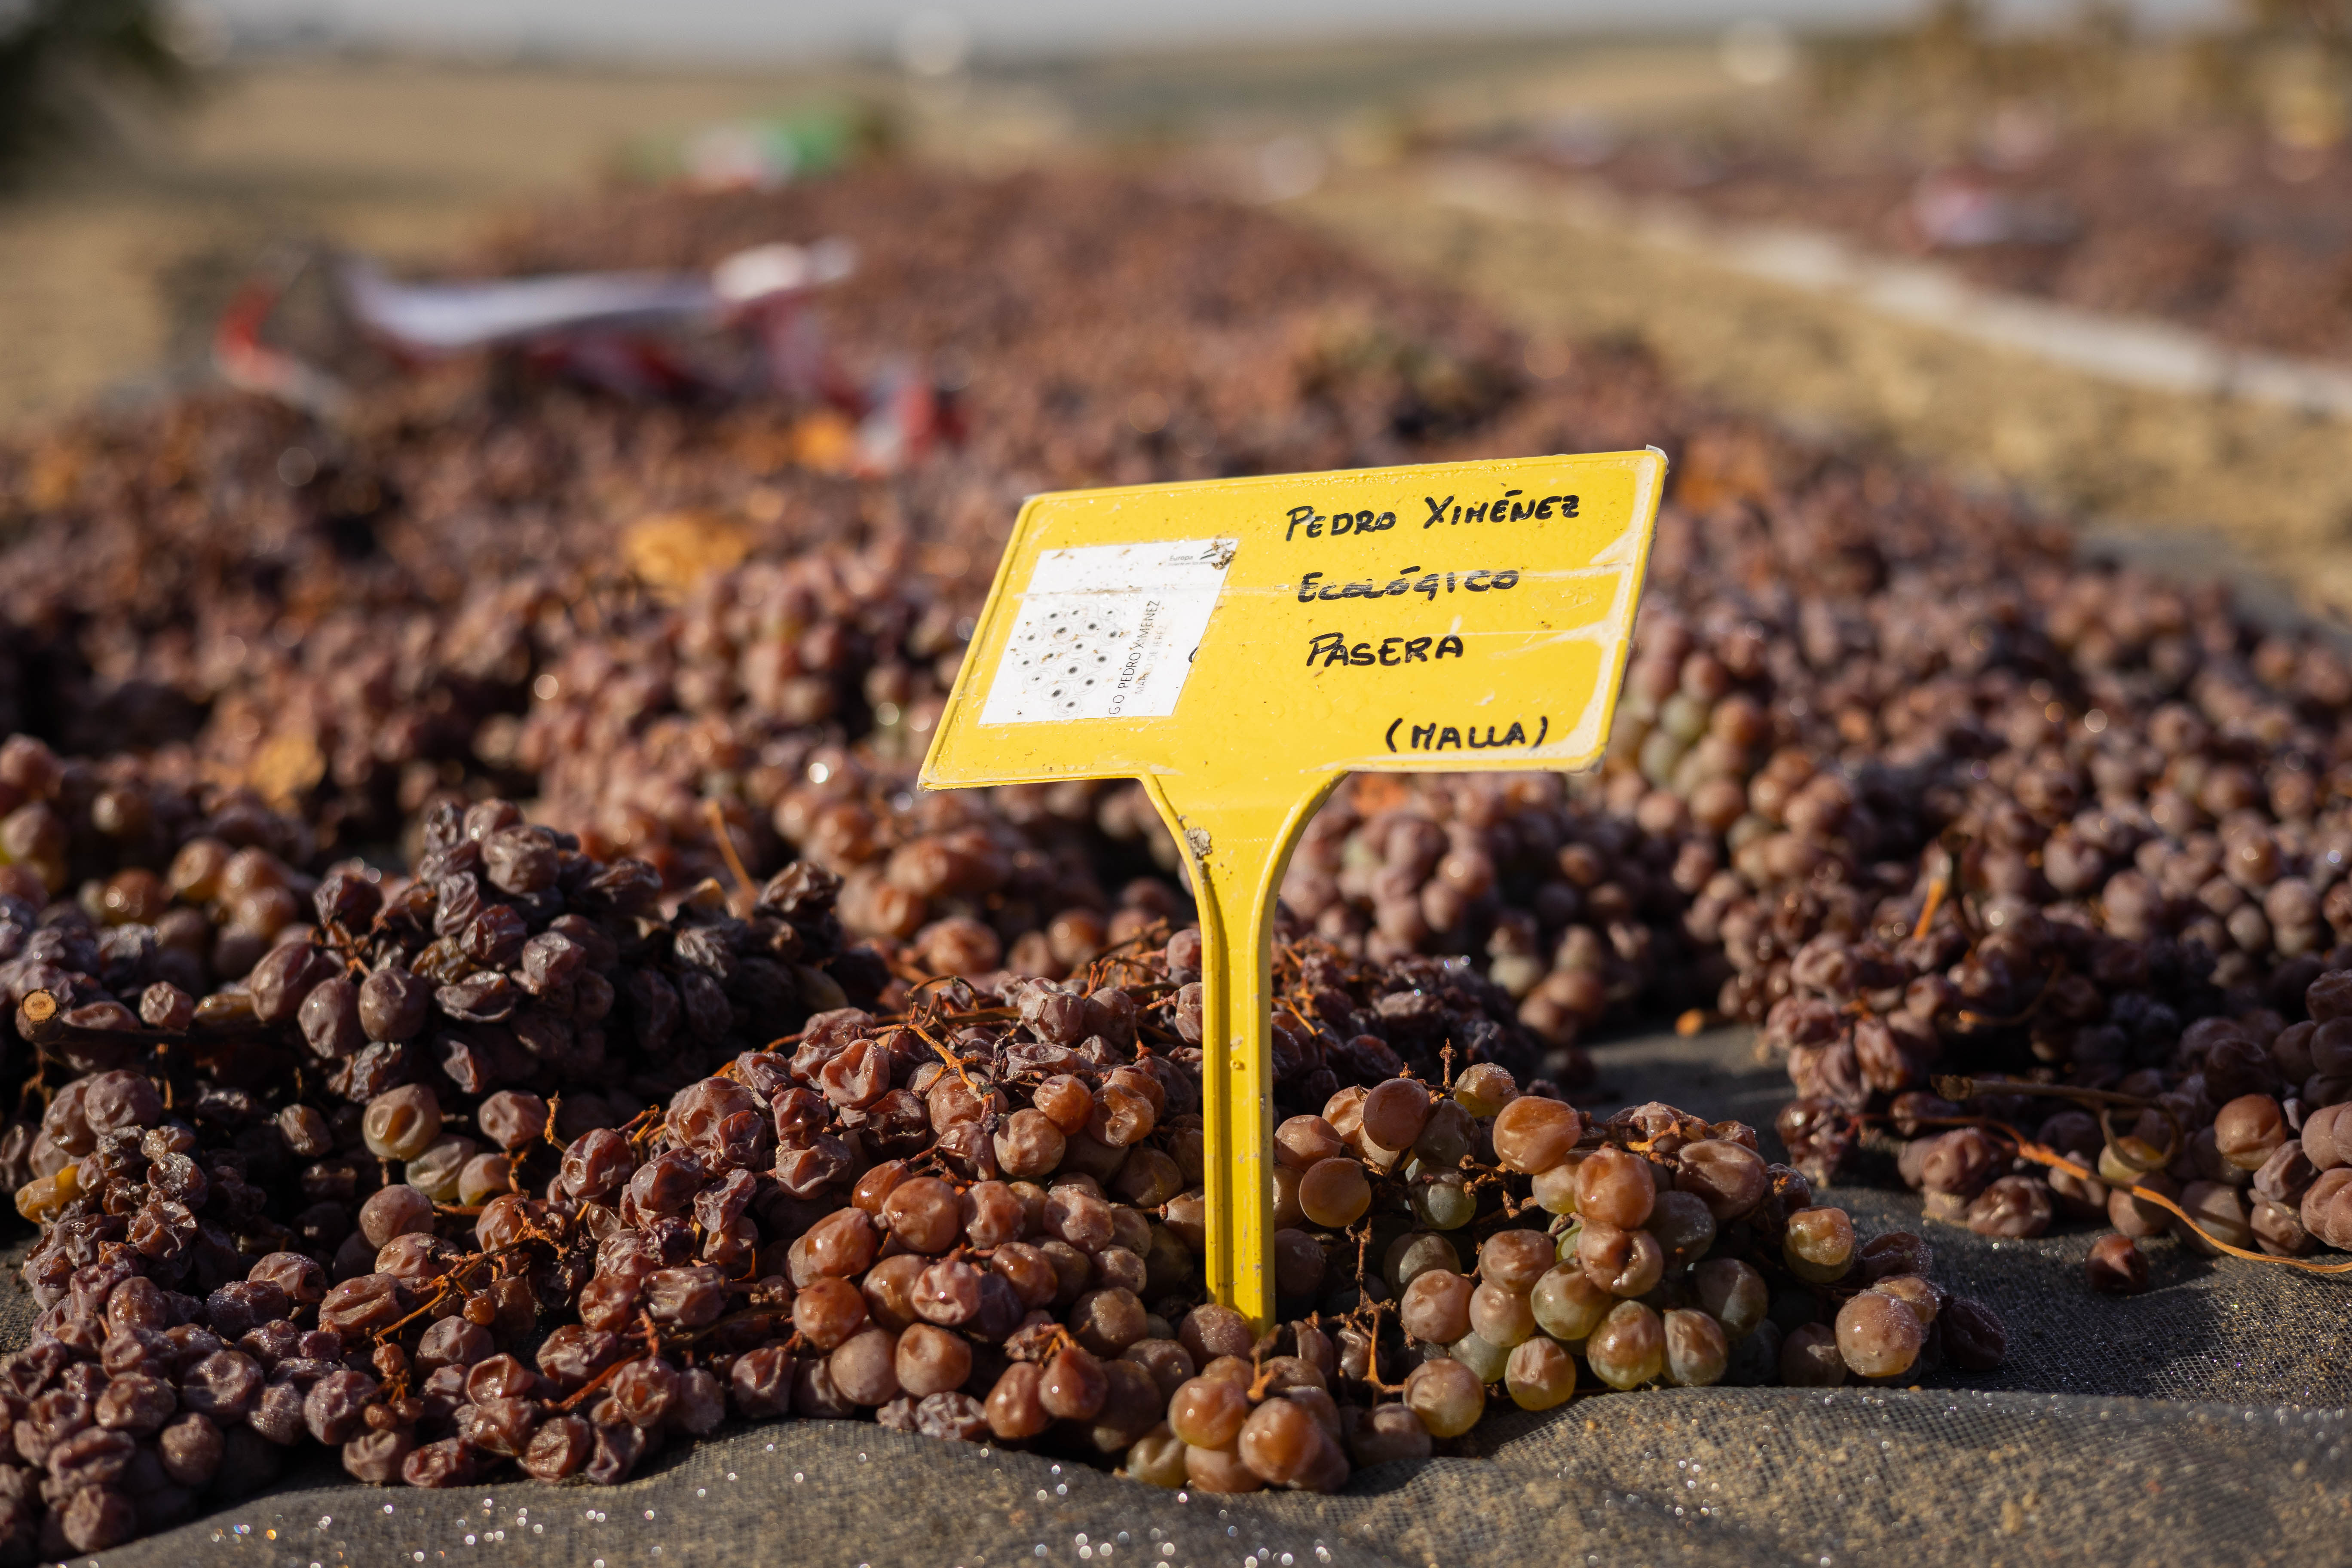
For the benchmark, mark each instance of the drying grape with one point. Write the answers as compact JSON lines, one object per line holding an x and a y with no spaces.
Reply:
{"x":1448,"y":1138}
{"x":1302,"y":1141}
{"x":2013,"y":1206}
{"x":1211,"y":1331}
{"x":2248,"y":1130}
{"x":1208,"y":1412}
{"x":2117,"y":1266}
{"x":1879,"y":1335}
{"x":1539,"y":1375}
{"x":1613,"y":1188}
{"x":1443,"y":1202}
{"x":1281,"y":1442}
{"x":401,"y":1122}
{"x":1532,"y":1133}
{"x":1514,"y":1259}
{"x":1809,"y":1356}
{"x":1974,"y":1338}
{"x":1567,"y":1305}
{"x":1923,"y":1298}
{"x":1417,"y":1252}
{"x":865,"y":1367}
{"x":1729,"y":1179}
{"x":1157,"y":1458}
{"x":1696,"y":1350}
{"x":1683,"y":1229}
{"x":1013,"y":1407}
{"x":1501,"y":1315}
{"x":1629,"y":1347}
{"x":1483,"y":1088}
{"x":1484,"y":1358}
{"x":1555,"y":1190}
{"x":1394,"y":1113}
{"x":1732,"y":1293}
{"x":1446,"y":1396}
{"x":1334,"y":1193}
{"x":1435,"y":1307}
{"x":1621,"y":1262}
{"x":1219,"y":1470}
{"x":1819,"y":1245}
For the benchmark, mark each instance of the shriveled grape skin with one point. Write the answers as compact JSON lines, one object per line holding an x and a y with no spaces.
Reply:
{"x":1878,"y":1335}
{"x":1819,"y":1244}
{"x":1629,"y":1348}
{"x":1696,"y":1348}
{"x":1540,"y":1374}
{"x":1436,"y":1307}
{"x":1446,"y":1397}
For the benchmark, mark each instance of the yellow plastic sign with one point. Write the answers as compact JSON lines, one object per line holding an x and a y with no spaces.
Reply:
{"x":1240,"y":646}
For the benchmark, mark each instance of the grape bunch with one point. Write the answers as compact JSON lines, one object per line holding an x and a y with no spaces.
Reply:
{"x":498,"y":1163}
{"x":2239,"y":1131}
{"x":1572,"y":910}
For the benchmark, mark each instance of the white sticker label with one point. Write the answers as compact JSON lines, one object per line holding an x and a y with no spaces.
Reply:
{"x":1106,"y":631}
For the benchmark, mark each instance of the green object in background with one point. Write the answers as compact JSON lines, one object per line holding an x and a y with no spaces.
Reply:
{"x":765,"y":151}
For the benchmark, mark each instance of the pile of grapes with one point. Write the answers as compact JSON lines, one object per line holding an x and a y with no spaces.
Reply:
{"x":727,"y":1070}
{"x":498,"y":1161}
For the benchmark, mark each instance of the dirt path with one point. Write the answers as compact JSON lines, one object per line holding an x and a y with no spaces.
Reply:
{"x":2203,"y":484}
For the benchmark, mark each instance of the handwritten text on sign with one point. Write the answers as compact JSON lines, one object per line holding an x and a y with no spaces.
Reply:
{"x":1387,"y":618}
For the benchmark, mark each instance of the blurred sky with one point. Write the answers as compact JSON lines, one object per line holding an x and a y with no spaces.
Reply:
{"x":782,"y":29}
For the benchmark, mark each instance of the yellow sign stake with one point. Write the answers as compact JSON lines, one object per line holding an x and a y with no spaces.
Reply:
{"x":1240,"y":646}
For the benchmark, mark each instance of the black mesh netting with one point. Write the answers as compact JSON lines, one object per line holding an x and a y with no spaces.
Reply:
{"x":2204,"y":1420}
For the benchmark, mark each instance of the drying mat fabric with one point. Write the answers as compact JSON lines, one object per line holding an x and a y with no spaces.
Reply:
{"x":2205,"y":1420}
{"x":1730,"y":1476}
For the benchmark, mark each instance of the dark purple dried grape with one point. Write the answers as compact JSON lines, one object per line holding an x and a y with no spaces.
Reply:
{"x":1974,"y":1338}
{"x":446,"y":1463}
{"x":190,"y":1448}
{"x":333,"y":1408}
{"x":283,"y":979}
{"x":224,"y":1383}
{"x":330,"y":1017}
{"x":559,"y":1448}
{"x":395,"y":1005}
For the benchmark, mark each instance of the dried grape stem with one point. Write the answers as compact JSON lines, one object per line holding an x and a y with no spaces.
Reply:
{"x":748,"y":889}
{"x":2040,"y":1155}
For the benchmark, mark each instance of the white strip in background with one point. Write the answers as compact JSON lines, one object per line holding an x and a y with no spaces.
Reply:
{"x":1106,"y":631}
{"x":2128,"y":350}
